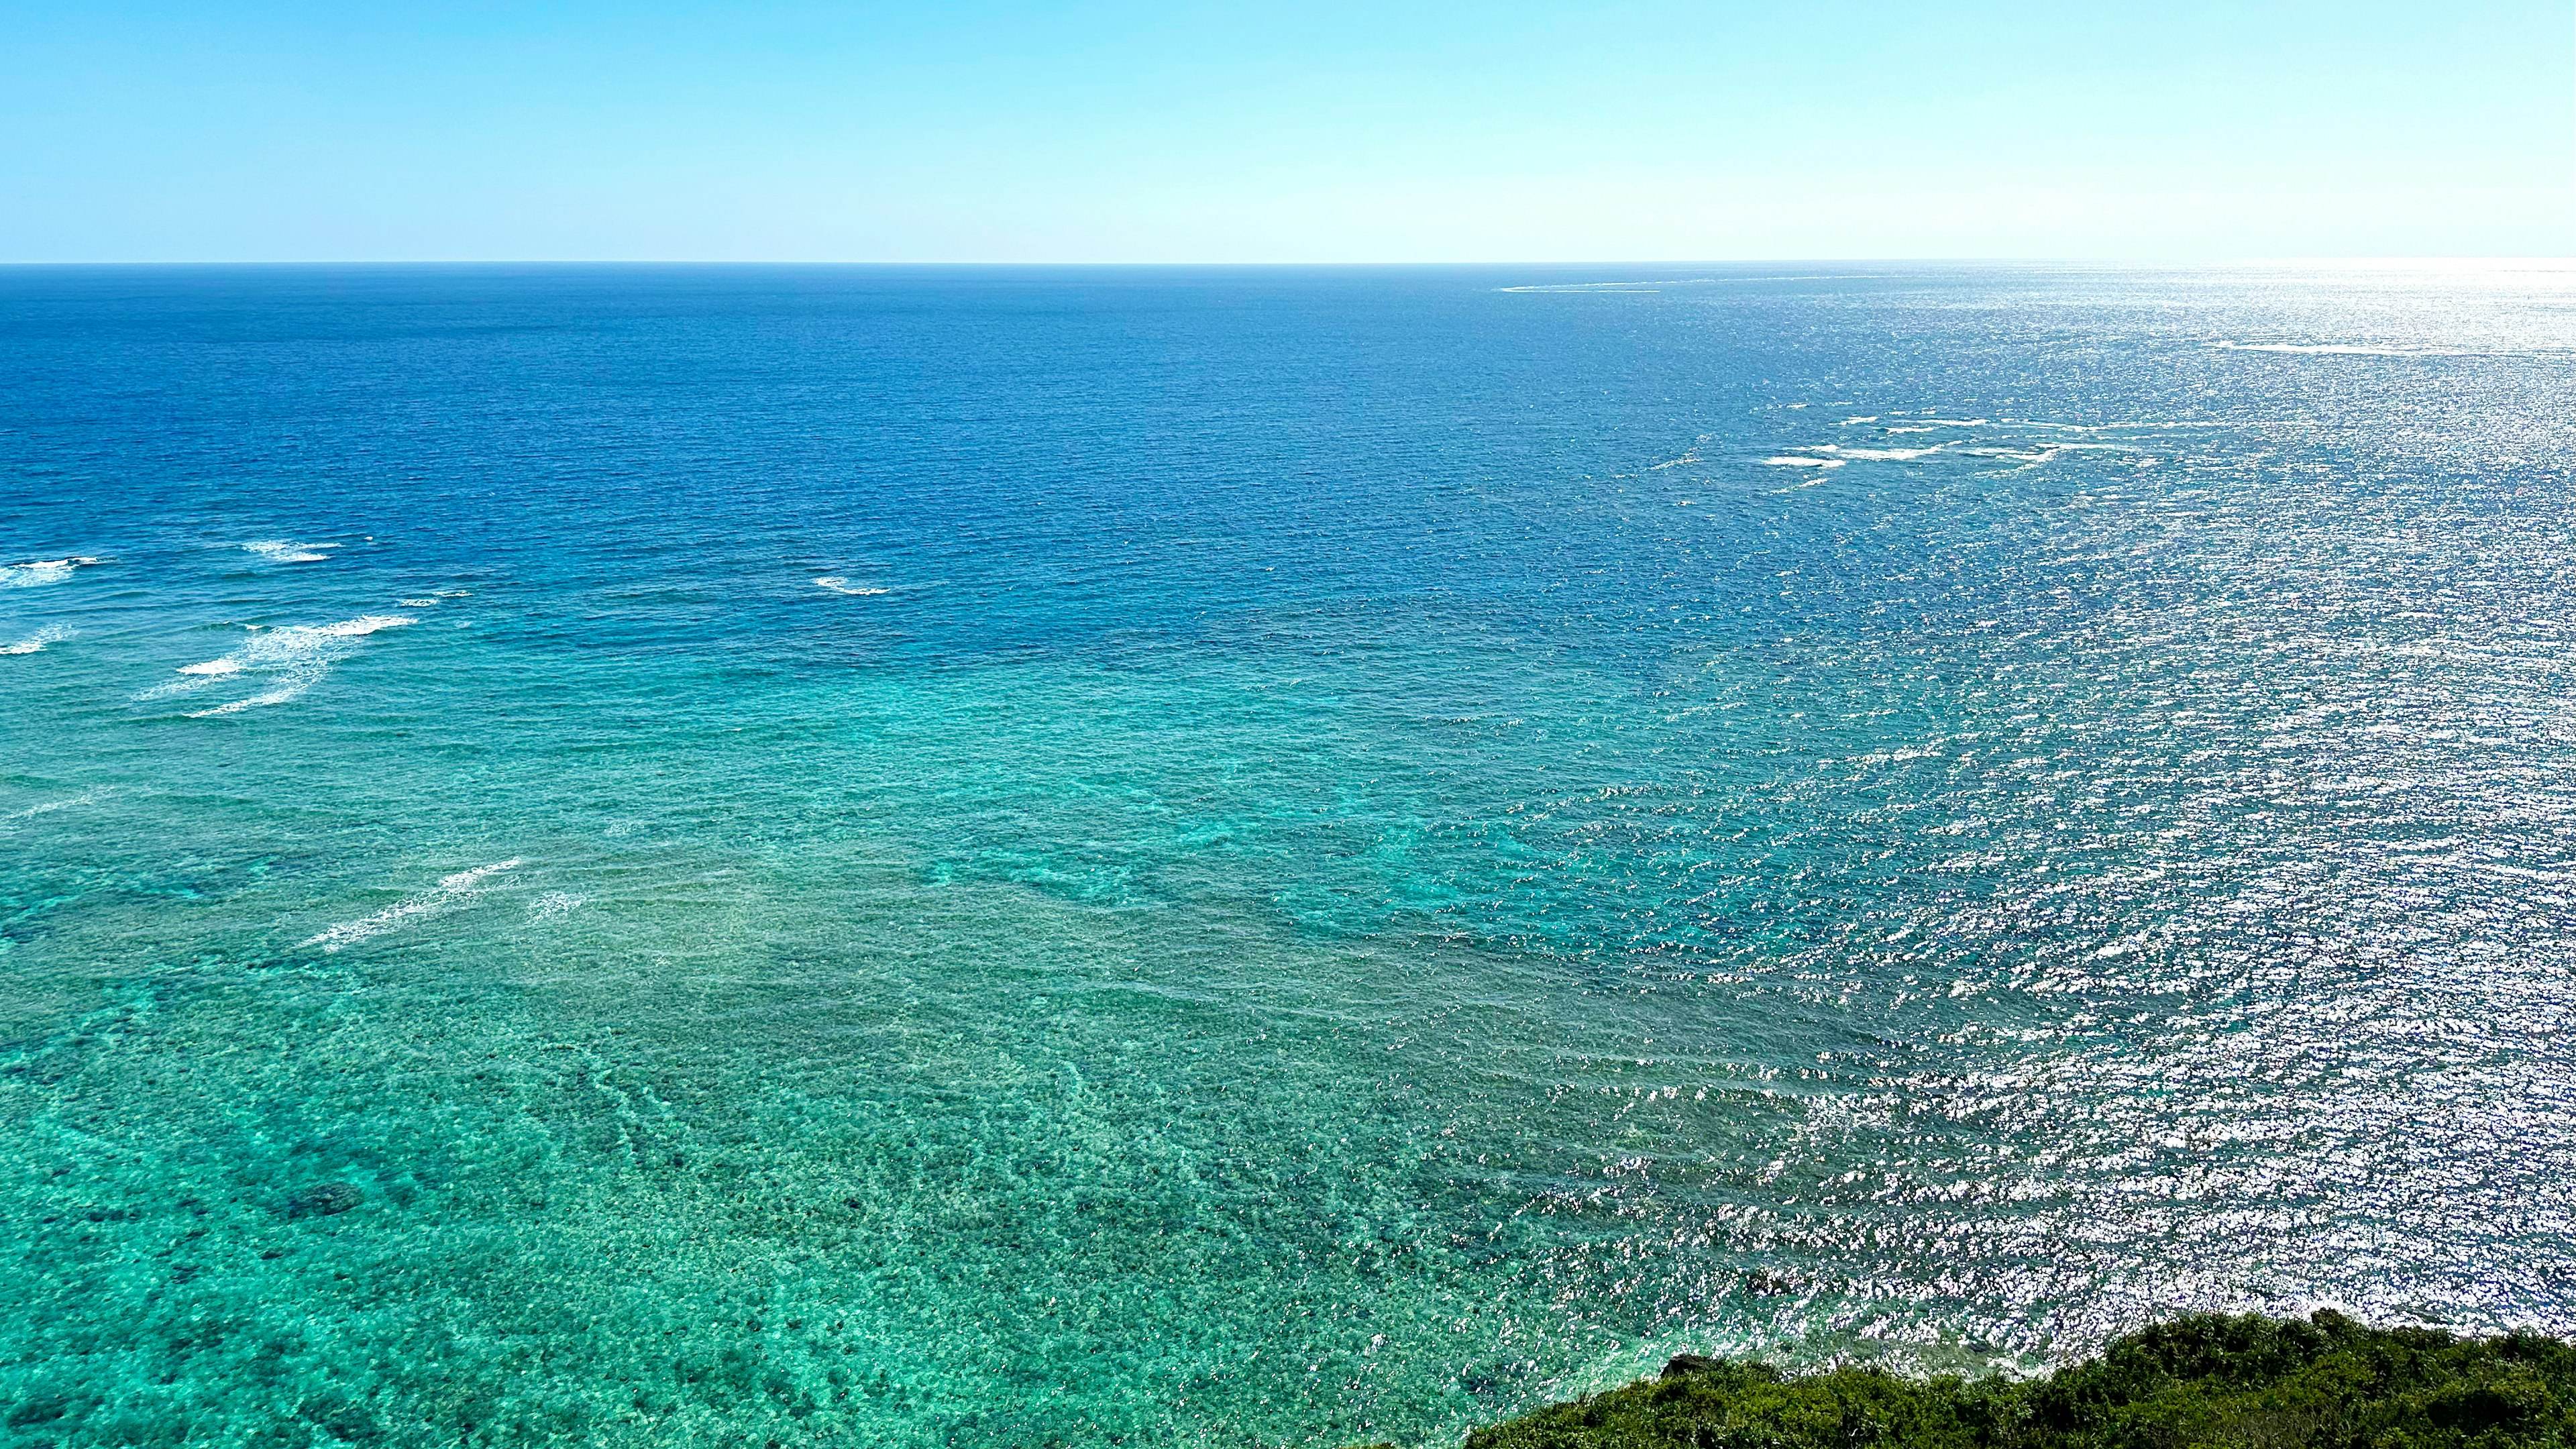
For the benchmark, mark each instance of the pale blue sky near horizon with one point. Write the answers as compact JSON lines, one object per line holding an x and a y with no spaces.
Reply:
{"x":1329,"y":131}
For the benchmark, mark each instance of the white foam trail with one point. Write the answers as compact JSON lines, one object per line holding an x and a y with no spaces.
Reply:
{"x":42,"y":571}
{"x":295,"y":657}
{"x":844,"y":586}
{"x":2046,"y":452}
{"x":35,"y":643}
{"x":418,"y":603}
{"x":1790,"y":462}
{"x":450,"y":890}
{"x":279,"y":551}
{"x":1878,"y":455}
{"x":553,"y":904}
{"x":50,"y":806}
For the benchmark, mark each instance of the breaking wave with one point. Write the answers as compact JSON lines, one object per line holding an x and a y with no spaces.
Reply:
{"x":293,"y":658}
{"x":279,"y":551}
{"x":42,"y":571}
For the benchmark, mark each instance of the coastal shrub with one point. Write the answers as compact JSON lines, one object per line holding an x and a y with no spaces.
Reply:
{"x":2327,"y":1382}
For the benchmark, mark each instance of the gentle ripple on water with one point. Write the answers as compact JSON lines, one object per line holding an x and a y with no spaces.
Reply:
{"x":1169,"y":857}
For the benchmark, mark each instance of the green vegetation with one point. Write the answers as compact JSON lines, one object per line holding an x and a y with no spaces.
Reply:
{"x":2325,"y":1383}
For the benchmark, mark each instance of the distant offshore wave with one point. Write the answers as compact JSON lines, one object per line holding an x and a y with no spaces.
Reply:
{"x":43,"y":571}
{"x":293,"y":659}
{"x":279,"y":551}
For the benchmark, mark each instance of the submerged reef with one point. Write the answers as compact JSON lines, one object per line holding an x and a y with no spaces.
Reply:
{"x":2323,"y":1383}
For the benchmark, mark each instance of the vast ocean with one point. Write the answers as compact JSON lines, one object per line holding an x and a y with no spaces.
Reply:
{"x":776,"y":856}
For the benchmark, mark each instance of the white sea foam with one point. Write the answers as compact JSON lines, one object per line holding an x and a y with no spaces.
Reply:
{"x":450,"y":890}
{"x":35,"y":643}
{"x":48,"y":807}
{"x":552,"y":904}
{"x":844,"y":586}
{"x":42,"y":571}
{"x":2046,"y":452}
{"x":279,"y":551}
{"x":294,"y":658}
{"x":418,"y":603}
{"x":1878,"y":455}
{"x":1786,"y":461}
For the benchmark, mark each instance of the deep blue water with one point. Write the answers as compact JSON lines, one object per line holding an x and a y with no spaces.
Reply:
{"x":994,"y":857}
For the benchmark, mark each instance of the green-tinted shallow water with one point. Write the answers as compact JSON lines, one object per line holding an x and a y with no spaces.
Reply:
{"x":1341,"y":854}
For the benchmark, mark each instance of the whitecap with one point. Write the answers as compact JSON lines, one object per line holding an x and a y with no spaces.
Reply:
{"x":418,"y":603}
{"x":450,"y":890}
{"x":2033,"y":456}
{"x":1878,"y":455}
{"x":844,"y":586}
{"x":279,"y":551}
{"x":35,"y":643}
{"x":295,"y":658}
{"x":42,"y":571}
{"x":552,"y":904}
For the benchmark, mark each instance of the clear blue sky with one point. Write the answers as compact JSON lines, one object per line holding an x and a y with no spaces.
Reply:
{"x":1316,"y":131}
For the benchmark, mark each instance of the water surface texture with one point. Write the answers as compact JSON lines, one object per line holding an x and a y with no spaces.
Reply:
{"x":819,"y":856}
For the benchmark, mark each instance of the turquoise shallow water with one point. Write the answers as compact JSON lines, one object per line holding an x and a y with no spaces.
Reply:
{"x":1160,"y":857}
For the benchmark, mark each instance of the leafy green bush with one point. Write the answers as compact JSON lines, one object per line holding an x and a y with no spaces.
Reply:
{"x":2326,"y":1383}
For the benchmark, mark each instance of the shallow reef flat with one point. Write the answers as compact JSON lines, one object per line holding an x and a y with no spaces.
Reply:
{"x":944,"y":859}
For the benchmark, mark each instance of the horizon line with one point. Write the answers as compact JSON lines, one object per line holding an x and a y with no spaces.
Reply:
{"x":2402,"y":259}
